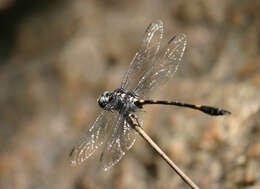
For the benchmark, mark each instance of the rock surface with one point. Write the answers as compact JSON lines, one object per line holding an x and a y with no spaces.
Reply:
{"x":57,"y":57}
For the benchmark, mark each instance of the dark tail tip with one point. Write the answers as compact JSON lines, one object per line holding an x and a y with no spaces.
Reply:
{"x":214,"y":111}
{"x":224,"y":112}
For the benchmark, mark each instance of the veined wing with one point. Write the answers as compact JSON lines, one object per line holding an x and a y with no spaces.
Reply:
{"x":166,"y":64}
{"x":143,"y":59}
{"x":122,"y":139}
{"x":94,"y":138}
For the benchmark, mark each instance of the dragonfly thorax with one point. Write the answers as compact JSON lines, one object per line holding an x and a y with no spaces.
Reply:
{"x":119,"y":100}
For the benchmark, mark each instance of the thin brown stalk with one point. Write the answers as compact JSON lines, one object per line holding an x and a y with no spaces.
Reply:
{"x":146,"y":137}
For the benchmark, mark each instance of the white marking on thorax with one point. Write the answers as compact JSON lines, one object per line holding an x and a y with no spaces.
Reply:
{"x":123,"y":95}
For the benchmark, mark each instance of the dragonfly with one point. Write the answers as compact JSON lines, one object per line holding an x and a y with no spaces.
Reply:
{"x":152,"y":66}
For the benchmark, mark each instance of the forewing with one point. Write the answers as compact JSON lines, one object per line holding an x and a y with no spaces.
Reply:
{"x":94,"y":138}
{"x":166,"y":64}
{"x":144,"y":57}
{"x":122,"y":139}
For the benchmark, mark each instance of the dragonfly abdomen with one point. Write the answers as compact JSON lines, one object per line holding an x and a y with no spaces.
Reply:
{"x":206,"y":109}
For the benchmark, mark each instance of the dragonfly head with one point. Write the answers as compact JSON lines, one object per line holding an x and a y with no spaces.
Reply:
{"x":104,"y":99}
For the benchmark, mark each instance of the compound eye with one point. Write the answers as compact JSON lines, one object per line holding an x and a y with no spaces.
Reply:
{"x":102,"y":101}
{"x":106,"y":93}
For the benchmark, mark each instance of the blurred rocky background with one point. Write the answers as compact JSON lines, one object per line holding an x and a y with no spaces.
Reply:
{"x":58,"y":56}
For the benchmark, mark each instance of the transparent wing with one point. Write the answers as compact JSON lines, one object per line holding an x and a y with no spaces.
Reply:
{"x":166,"y":64}
{"x":122,"y":139}
{"x":94,"y":138}
{"x":145,"y":55}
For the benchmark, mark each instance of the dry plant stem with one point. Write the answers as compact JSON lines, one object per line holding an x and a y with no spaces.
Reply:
{"x":184,"y":177}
